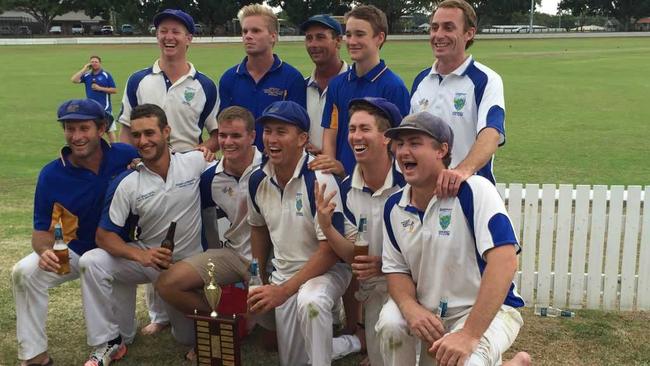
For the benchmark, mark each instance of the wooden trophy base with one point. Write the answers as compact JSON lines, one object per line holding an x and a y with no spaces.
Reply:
{"x":218,"y":342}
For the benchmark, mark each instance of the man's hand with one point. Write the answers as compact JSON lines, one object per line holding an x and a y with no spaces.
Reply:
{"x":207,"y":154}
{"x":366,"y":267}
{"x":86,"y":66}
{"x":422,"y":323}
{"x":324,"y":206}
{"x":449,"y":181}
{"x":158,"y":258}
{"x":265,"y":298}
{"x":453,"y":349}
{"x":312,"y":149}
{"x":327,"y":165}
{"x":49,"y":261}
{"x":94,"y":86}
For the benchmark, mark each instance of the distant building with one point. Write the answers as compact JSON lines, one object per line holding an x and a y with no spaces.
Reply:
{"x":13,"y":20}
{"x":642,"y":24}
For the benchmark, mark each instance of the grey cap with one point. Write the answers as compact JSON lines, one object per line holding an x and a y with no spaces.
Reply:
{"x":427,"y":123}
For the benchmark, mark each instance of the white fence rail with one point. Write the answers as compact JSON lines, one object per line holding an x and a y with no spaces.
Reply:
{"x":583,"y":247}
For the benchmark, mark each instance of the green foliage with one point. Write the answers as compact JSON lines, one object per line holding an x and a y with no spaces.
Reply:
{"x":499,"y":11}
{"x":297,"y":11}
{"x":43,"y":10}
{"x":623,"y":10}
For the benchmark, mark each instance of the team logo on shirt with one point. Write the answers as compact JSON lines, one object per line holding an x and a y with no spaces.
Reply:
{"x":299,"y":204}
{"x":189,"y":95}
{"x":423,"y":103}
{"x":459,"y":103}
{"x":409,"y":225}
{"x":274,"y":92}
{"x":444,"y":219}
{"x":228,"y":191}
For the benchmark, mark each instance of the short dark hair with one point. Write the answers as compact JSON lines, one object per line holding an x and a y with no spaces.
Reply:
{"x":237,"y":112}
{"x":469,"y":15}
{"x":372,"y":15}
{"x":150,"y":110}
{"x":95,"y":56}
{"x":381,"y":120}
{"x":446,"y":160}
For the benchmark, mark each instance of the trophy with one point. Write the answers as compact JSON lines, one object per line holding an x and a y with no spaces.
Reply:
{"x":217,"y":337}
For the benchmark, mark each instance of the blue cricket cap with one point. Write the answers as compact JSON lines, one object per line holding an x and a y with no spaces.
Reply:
{"x":426,"y":123}
{"x":177,"y":14}
{"x":286,"y":111}
{"x":80,"y":110}
{"x":324,"y":20}
{"x":388,"y":109}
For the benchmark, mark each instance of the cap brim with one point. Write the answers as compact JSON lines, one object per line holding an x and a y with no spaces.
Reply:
{"x":396,"y":131}
{"x":304,"y":26}
{"x":77,"y":117}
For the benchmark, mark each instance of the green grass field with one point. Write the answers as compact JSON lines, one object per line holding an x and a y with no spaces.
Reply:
{"x":576,"y":113}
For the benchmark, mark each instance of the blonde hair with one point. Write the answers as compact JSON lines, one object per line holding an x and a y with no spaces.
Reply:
{"x":260,"y":10}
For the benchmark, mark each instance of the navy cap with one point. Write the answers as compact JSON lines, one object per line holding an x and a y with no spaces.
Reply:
{"x":424,"y":122}
{"x":388,"y":109}
{"x":179,"y":15}
{"x":80,"y":110}
{"x":324,"y":20}
{"x":286,"y":111}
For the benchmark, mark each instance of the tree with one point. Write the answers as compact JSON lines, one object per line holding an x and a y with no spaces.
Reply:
{"x":500,"y":11}
{"x":44,"y":11}
{"x":623,"y":10}
{"x":214,"y":13}
{"x":297,"y":11}
{"x":395,"y":9}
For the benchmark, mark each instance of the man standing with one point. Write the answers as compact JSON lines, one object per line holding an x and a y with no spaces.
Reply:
{"x":323,"y":42}
{"x":374,"y":179}
{"x":262,"y":77}
{"x":224,"y":185}
{"x":189,"y":98}
{"x":308,"y":277}
{"x":163,"y":190}
{"x":69,"y":191}
{"x":464,"y":93}
{"x":449,"y":261}
{"x":99,"y":87}
{"x":366,"y":30}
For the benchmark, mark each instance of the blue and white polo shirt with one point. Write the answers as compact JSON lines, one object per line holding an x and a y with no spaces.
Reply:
{"x":281,"y":82}
{"x":75,"y":195}
{"x":443,"y":248}
{"x":290,"y":215}
{"x":142,"y":198}
{"x":103,"y":79}
{"x":191,"y":103}
{"x":380,"y":81}
{"x":470,"y":99}
{"x":229,"y":193}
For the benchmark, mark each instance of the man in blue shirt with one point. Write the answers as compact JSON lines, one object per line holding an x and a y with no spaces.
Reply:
{"x":99,"y":87}
{"x":366,"y":31}
{"x":262,"y":77}
{"x":70,"y":191}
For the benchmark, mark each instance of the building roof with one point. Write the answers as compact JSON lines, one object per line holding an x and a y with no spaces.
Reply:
{"x":71,"y":16}
{"x":643,"y":21}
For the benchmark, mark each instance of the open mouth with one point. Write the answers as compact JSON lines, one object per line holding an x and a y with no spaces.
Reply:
{"x":360,"y":148}
{"x":409,"y":166}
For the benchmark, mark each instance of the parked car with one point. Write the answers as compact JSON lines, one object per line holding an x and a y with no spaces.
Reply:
{"x":126,"y":29}
{"x":24,"y":30}
{"x":198,"y":29}
{"x":77,"y":29}
{"x":108,"y":30}
{"x":55,"y":29}
{"x":287,"y":31}
{"x":5,"y":30}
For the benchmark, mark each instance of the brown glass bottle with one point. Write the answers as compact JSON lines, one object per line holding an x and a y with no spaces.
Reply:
{"x":168,"y":242}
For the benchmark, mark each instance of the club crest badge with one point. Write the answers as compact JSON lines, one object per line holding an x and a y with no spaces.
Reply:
{"x":189,"y":94}
{"x":299,"y":204}
{"x":423,"y":103}
{"x":459,"y":103}
{"x":408,"y":225}
{"x":444,"y":220}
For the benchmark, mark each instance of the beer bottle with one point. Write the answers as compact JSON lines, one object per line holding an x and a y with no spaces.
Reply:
{"x":255,"y":279}
{"x":168,"y":242}
{"x":61,"y":250}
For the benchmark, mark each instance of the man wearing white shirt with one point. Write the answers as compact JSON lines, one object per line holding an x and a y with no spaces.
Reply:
{"x":308,"y":276}
{"x":464,"y":93}
{"x":163,"y":190}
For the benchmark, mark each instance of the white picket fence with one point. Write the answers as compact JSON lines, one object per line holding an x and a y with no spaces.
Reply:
{"x":582,"y":247}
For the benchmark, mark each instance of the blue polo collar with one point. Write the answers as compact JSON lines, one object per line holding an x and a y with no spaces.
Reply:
{"x":370,"y":76}
{"x":242,"y":70}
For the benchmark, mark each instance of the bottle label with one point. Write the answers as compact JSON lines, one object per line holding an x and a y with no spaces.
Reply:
{"x":543,"y":311}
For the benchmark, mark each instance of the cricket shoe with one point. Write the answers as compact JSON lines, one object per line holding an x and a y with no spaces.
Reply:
{"x":105,"y":354}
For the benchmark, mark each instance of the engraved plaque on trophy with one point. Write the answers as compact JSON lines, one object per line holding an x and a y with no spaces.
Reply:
{"x":217,"y":337}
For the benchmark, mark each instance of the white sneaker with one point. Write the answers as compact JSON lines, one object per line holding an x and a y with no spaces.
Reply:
{"x":105,"y":354}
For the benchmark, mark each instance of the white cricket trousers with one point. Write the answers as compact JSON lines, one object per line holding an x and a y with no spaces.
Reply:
{"x":304,"y":321}
{"x":101,"y":273}
{"x":398,"y":347}
{"x":30,"y":286}
{"x":371,"y":308}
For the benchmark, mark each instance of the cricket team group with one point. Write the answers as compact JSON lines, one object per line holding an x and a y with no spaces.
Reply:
{"x":311,"y":169}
